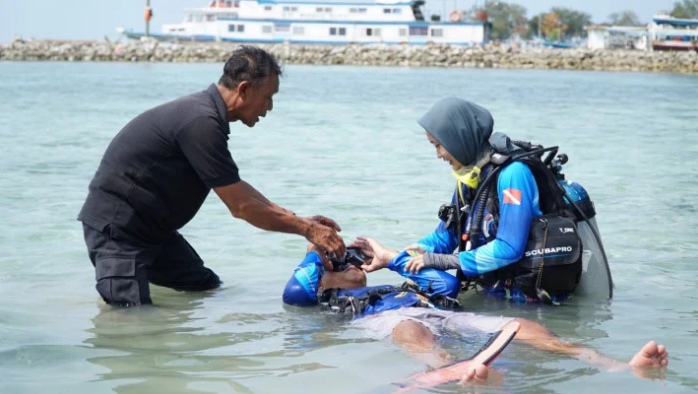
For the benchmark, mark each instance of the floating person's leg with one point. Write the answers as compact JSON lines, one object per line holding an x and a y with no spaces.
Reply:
{"x":651,"y":356}
{"x":418,"y":340}
{"x":415,"y":338}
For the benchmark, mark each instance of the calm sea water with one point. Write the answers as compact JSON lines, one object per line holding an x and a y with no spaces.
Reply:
{"x":342,"y":142}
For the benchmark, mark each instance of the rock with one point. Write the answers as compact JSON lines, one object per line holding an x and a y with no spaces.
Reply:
{"x":478,"y":56}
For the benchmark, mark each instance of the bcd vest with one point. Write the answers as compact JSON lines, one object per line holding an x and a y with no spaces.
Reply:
{"x":377,"y":299}
{"x":552,"y":261}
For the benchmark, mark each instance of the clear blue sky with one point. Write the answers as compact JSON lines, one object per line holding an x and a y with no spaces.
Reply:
{"x":93,"y":19}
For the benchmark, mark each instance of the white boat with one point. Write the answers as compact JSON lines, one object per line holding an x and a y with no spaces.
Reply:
{"x":667,"y":33}
{"x":306,"y":22}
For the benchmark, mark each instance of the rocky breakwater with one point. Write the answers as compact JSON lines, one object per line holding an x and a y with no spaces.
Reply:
{"x":488,"y":56}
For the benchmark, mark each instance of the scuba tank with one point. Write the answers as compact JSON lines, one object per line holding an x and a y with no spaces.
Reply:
{"x":596,"y":280}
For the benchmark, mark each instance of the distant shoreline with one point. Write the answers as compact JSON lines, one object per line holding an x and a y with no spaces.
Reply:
{"x":449,"y":56}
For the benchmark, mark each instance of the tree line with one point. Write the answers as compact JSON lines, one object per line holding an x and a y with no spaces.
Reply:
{"x":560,"y":23}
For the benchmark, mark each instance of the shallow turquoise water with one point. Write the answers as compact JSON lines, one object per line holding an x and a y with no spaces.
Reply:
{"x":342,"y":142}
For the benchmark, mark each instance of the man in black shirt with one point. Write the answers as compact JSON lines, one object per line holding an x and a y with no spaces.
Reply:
{"x":156,"y":174}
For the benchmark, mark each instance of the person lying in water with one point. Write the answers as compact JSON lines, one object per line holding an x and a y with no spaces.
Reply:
{"x":415,"y":314}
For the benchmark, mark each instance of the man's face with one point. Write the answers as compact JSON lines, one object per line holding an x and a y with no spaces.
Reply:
{"x":350,"y":278}
{"x":257,"y":99}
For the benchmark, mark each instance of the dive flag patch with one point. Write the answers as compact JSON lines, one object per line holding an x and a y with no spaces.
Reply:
{"x":512,"y":196}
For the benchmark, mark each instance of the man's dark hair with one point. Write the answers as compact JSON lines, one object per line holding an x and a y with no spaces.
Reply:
{"x":248,"y":63}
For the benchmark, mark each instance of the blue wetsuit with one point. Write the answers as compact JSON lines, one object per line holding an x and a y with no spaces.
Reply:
{"x":302,"y":287}
{"x":503,"y":242}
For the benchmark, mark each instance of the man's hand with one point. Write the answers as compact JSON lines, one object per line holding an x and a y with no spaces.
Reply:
{"x":323,"y":257}
{"x":325,"y":222}
{"x":324,"y":237}
{"x":380,"y":255}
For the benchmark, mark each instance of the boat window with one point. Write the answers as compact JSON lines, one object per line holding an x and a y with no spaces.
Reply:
{"x":342,"y":31}
{"x":241,"y":28}
{"x":188,"y":18}
{"x":328,"y":9}
{"x":210,"y":18}
{"x":402,"y":32}
{"x":267,"y":8}
{"x":386,"y":10}
{"x":285,"y":28}
{"x":294,"y":9}
{"x":362,"y":10}
{"x":353,"y":10}
{"x":287,"y":9}
{"x":319,"y":9}
{"x":231,"y":28}
{"x":371,"y":31}
{"x":198,"y":18}
{"x":418,"y":30}
{"x":298,"y":30}
{"x":266,"y":29}
{"x":333,"y":31}
{"x":397,"y":10}
{"x":437,"y":32}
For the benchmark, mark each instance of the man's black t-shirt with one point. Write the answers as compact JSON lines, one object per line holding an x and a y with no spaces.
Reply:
{"x":157,"y":172}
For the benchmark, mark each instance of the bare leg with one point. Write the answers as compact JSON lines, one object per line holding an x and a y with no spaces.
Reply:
{"x":417,"y":339}
{"x":651,"y":356}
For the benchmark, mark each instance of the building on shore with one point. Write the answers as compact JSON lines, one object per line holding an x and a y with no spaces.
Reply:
{"x":312,"y":22}
{"x":617,"y":37}
{"x":663,"y":33}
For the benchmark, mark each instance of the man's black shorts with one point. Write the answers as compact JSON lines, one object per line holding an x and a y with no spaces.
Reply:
{"x":124,"y":266}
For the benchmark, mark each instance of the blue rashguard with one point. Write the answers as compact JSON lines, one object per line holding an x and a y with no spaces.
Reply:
{"x":302,"y":287}
{"x":505,"y":241}
{"x":429,"y":280}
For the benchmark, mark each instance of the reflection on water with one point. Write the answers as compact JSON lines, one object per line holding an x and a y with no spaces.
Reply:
{"x":343,"y":142}
{"x":165,"y":348}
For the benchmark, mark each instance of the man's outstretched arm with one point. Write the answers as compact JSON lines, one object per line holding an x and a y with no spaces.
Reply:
{"x":245,"y":202}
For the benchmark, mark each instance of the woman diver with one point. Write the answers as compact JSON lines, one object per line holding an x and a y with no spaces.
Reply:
{"x":503,"y":239}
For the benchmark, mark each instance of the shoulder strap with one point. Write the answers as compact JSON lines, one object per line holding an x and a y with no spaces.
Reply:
{"x":550,"y":191}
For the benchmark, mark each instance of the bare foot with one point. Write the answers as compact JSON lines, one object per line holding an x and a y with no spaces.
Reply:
{"x":477,"y":374}
{"x":650,"y":362}
{"x":651,"y":356}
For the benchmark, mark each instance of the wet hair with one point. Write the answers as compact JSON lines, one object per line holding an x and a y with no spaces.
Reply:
{"x":248,"y":63}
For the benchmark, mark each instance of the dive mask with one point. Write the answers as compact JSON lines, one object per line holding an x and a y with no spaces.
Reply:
{"x":353,"y":256}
